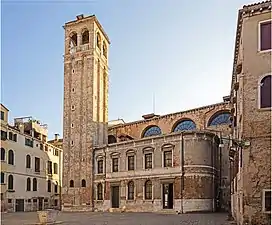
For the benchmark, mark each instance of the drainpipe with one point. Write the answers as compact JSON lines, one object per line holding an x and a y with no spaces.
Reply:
{"x":60,"y":180}
{"x":182,"y":169}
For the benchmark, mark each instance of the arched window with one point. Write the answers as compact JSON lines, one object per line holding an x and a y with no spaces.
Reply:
{"x":49,"y":186}
{"x":3,"y":154}
{"x":85,"y":37}
{"x":2,"y":178}
{"x":131,"y":190}
{"x":28,"y":161}
{"x":219,"y":119}
{"x":10,"y":157}
{"x":35,"y":184}
{"x":104,"y":49}
{"x":265,"y":92}
{"x":148,"y":189}
{"x":73,"y":40}
{"x":56,"y":187}
{"x":185,"y":125}
{"x":98,"y":40}
{"x":152,"y":131}
{"x":99,"y":192}
{"x":28,"y":184}
{"x":71,"y":183}
{"x":10,"y":182}
{"x":111,"y":139}
{"x":83,"y":183}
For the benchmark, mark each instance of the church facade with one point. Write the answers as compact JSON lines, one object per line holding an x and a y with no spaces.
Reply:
{"x":173,"y":162}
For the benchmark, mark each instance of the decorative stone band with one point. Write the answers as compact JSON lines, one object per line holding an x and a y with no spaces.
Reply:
{"x":198,"y":205}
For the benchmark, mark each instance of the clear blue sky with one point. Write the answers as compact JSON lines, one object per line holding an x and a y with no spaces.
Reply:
{"x":181,"y":50}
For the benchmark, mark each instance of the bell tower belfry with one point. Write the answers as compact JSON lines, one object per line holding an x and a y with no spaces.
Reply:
{"x":85,"y":113}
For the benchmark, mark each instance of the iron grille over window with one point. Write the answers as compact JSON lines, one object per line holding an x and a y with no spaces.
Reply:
{"x":130,"y":190}
{"x":152,"y":131}
{"x":148,"y":190}
{"x":148,"y":161}
{"x":167,"y":158}
{"x":185,"y":125}
{"x":131,"y":162}
{"x":115,"y":165}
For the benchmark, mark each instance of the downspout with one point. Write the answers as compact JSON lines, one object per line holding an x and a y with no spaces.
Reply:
{"x":182,"y":170}
{"x":60,"y":180}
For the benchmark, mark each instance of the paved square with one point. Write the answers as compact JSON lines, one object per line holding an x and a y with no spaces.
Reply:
{"x":91,"y":218}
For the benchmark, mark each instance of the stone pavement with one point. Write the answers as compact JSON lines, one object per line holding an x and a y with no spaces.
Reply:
{"x":91,"y":218}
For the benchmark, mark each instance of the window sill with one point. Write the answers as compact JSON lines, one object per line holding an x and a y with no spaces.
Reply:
{"x":267,"y":212}
{"x":264,"y":109}
{"x":264,"y":51}
{"x":9,"y":190}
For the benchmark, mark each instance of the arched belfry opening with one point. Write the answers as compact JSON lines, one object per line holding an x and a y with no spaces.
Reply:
{"x":73,"y":40}
{"x":85,"y":37}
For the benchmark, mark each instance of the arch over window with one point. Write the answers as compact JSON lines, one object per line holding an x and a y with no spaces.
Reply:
{"x":148,"y":189}
{"x":28,"y":161}
{"x":10,"y":182}
{"x":83,"y":183}
{"x":111,"y":139}
{"x":219,"y":118}
{"x":28,"y":184}
{"x":35,"y":184}
{"x":49,"y":186}
{"x":10,"y":157}
{"x":265,"y":92}
{"x":73,"y":40}
{"x":99,"y":192}
{"x":71,"y":183}
{"x":105,"y":52}
{"x":131,"y":190}
{"x":85,"y":37}
{"x":98,"y":40}
{"x":184,"y":125}
{"x":3,"y":154}
{"x":152,"y":131}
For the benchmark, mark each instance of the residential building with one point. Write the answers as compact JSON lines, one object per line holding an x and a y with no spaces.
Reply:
{"x":31,"y":168}
{"x":251,"y":108}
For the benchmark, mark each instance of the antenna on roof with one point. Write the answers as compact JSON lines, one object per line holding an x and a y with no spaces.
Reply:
{"x":154,"y":102}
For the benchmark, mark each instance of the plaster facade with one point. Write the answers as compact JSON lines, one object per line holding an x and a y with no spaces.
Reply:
{"x":25,"y":160}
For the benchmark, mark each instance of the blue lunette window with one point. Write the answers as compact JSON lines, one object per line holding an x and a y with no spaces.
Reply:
{"x":185,"y":125}
{"x":152,"y":131}
{"x":222,"y":118}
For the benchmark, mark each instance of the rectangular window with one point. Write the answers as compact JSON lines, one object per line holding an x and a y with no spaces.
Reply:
{"x":37,"y":164}
{"x":14,"y":137}
{"x":115,"y":165}
{"x":2,"y":178}
{"x":9,"y":200}
{"x":2,"y":115}
{"x":148,"y":161}
{"x":29,"y":142}
{"x":56,"y":152}
{"x":267,"y":200}
{"x":100,"y":166}
{"x":49,"y":167}
{"x":265,"y":35}
{"x":131,"y":162}
{"x":10,"y":136}
{"x":4,"y":135}
{"x":167,"y":155}
{"x":55,"y":168}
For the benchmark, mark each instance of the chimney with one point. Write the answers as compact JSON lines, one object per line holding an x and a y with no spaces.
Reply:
{"x":56,"y":137}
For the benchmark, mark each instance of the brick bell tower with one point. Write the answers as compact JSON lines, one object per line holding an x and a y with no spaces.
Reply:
{"x":85,"y":113}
